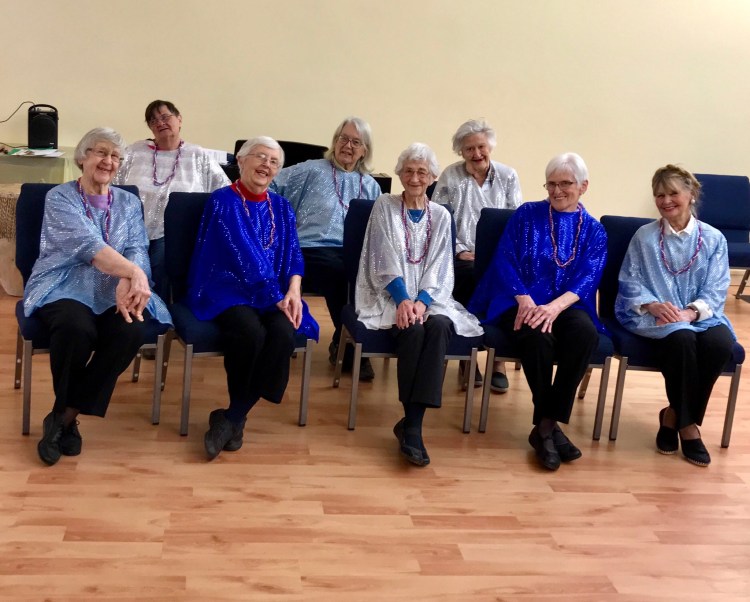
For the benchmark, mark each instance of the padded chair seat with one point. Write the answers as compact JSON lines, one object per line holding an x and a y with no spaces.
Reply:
{"x":739,"y":254}
{"x":32,"y":329}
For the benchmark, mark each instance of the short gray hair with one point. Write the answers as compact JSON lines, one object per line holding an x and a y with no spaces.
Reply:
{"x":90,"y":139}
{"x":266,"y":141}
{"x":418,"y":151}
{"x":571,"y":162}
{"x":473,"y":126}
{"x":364,"y":165}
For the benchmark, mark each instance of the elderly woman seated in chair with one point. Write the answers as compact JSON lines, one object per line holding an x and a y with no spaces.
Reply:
{"x":404,"y":284}
{"x":673,"y":285}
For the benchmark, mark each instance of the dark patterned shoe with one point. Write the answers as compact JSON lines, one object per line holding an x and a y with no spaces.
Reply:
{"x":667,"y":441}
{"x":236,"y":441}
{"x":544,"y":447}
{"x":220,"y":433}
{"x":71,"y":440}
{"x":49,"y":445}
{"x":417,"y":456}
{"x":568,"y":452}
{"x":499,"y":383}
{"x":695,"y":452}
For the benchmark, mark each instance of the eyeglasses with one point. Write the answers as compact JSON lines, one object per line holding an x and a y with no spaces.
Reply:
{"x":422,"y":174}
{"x":564,"y":185}
{"x":263,"y":157}
{"x":163,"y":118}
{"x":102,"y":154}
{"x":355,"y":142}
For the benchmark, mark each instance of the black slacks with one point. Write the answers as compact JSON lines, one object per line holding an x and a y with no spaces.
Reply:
{"x":325,"y":275}
{"x":465,"y":282}
{"x":257,"y":348}
{"x":421,"y":350}
{"x":572,"y":341}
{"x":691,"y":362}
{"x":87,"y":353}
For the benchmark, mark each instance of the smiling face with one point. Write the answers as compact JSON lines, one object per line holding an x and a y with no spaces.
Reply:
{"x":100,"y":166}
{"x":563,"y":190}
{"x":475,"y":150}
{"x":164,"y":125}
{"x":674,"y":200}
{"x":344,"y":152}
{"x":416,"y":177}
{"x":259,"y":167}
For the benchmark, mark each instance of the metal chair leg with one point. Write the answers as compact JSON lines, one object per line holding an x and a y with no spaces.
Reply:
{"x":584,"y":384}
{"x":158,"y":379}
{"x":469,"y":404}
{"x":19,"y":360}
{"x":186,"y":382}
{"x":305,"y":383}
{"x":731,"y":403}
{"x":742,"y":284}
{"x":486,"y":391}
{"x":355,"y":386}
{"x":619,"y":389}
{"x":601,"y":401}
{"x":26,"y":420}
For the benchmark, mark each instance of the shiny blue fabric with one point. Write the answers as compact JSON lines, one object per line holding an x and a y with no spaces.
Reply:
{"x":524,"y":265}
{"x":70,"y":240}
{"x":230,"y":266}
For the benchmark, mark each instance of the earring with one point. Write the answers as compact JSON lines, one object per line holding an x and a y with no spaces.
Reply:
{"x":692,"y":201}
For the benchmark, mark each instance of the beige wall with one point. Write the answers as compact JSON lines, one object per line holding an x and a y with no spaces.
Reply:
{"x":629,"y":85}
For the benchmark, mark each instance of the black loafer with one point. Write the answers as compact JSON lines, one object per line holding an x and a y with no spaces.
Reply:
{"x":568,"y":452}
{"x":366,"y":373}
{"x":499,"y":383}
{"x":667,"y":442}
{"x":411,"y":454}
{"x":544,"y":447}
{"x":695,"y":452}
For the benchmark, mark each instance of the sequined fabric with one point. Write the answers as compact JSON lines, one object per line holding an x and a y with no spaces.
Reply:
{"x":309,"y":186}
{"x":524,"y":264}
{"x":230,"y":266}
{"x":384,"y":258}
{"x":645,"y":279}
{"x":457,"y":188}
{"x":69,"y":242}
{"x":196,"y":172}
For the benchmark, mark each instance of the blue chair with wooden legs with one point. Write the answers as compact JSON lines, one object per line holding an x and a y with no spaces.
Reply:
{"x":380,"y":343}
{"x":490,"y":229}
{"x":202,"y":338}
{"x":636,"y":352}
{"x":33,"y":336}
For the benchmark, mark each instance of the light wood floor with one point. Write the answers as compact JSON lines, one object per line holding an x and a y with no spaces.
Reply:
{"x":321,"y":513}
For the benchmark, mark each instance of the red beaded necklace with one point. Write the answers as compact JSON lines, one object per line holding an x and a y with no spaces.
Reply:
{"x":174,"y":167}
{"x":340,"y":195}
{"x":407,"y":230}
{"x":87,"y":208}
{"x":692,"y":259}
{"x":566,"y":263}
{"x":237,"y":187}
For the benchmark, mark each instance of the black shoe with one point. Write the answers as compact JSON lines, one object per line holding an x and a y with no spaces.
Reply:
{"x":220,"y":433}
{"x":417,"y":456}
{"x":49,"y":445}
{"x":70,"y":440}
{"x":568,"y":452}
{"x":366,"y":373}
{"x":695,"y":452}
{"x":333,"y":351}
{"x":236,"y":441}
{"x":499,"y":383}
{"x":463,"y":366}
{"x":148,"y":354}
{"x":544,"y":447}
{"x":667,"y":441}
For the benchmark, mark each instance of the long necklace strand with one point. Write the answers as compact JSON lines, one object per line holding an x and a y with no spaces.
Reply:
{"x":407,"y":230}
{"x":108,"y":215}
{"x":272,"y":233}
{"x":174,"y":167}
{"x":692,"y":259}
{"x":566,"y":263}
{"x":340,"y":195}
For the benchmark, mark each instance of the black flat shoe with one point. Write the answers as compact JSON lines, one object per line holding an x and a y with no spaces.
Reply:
{"x":564,"y":446}
{"x":695,"y":452}
{"x":413,"y":455}
{"x":544,"y":447}
{"x":666,"y":439}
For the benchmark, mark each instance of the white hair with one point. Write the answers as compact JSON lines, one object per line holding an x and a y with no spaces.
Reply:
{"x":90,"y":140}
{"x":266,"y":141}
{"x":471,"y":127}
{"x":571,"y":162}
{"x":418,"y":151}
{"x":364,"y":165}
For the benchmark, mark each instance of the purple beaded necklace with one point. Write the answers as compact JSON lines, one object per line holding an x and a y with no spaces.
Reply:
{"x":272,"y":234}
{"x":692,"y":259}
{"x":407,"y":230}
{"x":108,"y":215}
{"x":566,"y":263}
{"x":174,"y":167}
{"x":340,"y":195}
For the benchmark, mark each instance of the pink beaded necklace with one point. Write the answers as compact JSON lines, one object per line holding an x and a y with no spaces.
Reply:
{"x":272,"y":234}
{"x":108,"y":215}
{"x":174,"y":167}
{"x":340,"y":195}
{"x":692,"y":259}
{"x":407,"y":230}
{"x":564,"y":264}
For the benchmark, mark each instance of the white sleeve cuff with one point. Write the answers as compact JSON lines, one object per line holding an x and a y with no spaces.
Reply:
{"x":702,"y":308}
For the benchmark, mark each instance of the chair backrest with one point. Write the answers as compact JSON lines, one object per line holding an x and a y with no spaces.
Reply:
{"x":619,"y":232}
{"x":182,"y":220}
{"x":490,"y":228}
{"x":294,"y":152}
{"x":29,"y":218}
{"x":725,"y":205}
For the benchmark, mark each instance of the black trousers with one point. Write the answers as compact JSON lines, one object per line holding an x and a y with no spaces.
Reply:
{"x":691,"y":362}
{"x":325,"y":275}
{"x":257,"y":348}
{"x":421,"y":350}
{"x":572,"y":341}
{"x":465,"y":282}
{"x":88,"y":352}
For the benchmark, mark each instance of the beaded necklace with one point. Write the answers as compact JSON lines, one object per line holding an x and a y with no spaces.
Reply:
{"x":174,"y":167}
{"x":692,"y":259}
{"x":108,"y":215}
{"x":272,"y":234}
{"x":407,"y":230}
{"x":566,"y":263}
{"x":340,"y":195}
